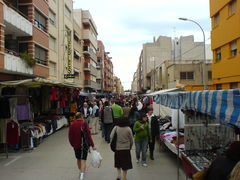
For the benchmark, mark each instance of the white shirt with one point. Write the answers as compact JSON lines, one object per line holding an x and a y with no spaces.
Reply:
{"x":85,"y":111}
{"x":149,"y":120}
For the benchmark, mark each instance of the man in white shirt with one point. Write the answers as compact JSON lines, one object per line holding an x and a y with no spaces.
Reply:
{"x":95,"y":118}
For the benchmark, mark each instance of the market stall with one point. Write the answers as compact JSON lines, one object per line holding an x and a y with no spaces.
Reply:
{"x":211,"y":116}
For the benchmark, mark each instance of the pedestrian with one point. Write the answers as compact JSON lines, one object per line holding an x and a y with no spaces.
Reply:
{"x":95,"y":118}
{"x":117,"y":110}
{"x":107,"y":120}
{"x":153,"y":129}
{"x":141,"y":137}
{"x":126,"y":110}
{"x":221,"y":167}
{"x":122,"y":155}
{"x":80,"y":139}
{"x":86,"y":111}
{"x":133,"y":115}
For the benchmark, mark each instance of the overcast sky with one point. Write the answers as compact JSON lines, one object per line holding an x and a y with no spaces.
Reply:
{"x":124,"y":25}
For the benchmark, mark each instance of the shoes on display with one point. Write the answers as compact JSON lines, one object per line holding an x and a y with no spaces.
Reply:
{"x":144,"y":165}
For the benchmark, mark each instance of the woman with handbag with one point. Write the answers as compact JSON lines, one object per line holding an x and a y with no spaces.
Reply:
{"x":124,"y":142}
{"x":80,"y":139}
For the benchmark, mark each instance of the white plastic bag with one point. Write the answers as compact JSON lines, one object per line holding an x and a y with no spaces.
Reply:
{"x":96,"y":159}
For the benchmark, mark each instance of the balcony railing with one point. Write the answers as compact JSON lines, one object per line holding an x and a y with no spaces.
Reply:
{"x":92,"y":84}
{"x":16,"y":23}
{"x":13,"y":62}
{"x":41,"y":61}
{"x":89,"y":52}
{"x":90,"y":68}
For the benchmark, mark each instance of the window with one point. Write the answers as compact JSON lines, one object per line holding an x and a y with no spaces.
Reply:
{"x":76,"y":36}
{"x":52,"y":17}
{"x":232,"y":7}
{"x":40,"y":55}
{"x":52,"y":43}
{"x":233,"y":48}
{"x":209,"y":75}
{"x":218,"y":54}
{"x":234,"y":85}
{"x":53,"y":69}
{"x":186,"y":75}
{"x":40,"y":21}
{"x":23,"y":47}
{"x":216,"y":20}
{"x":219,"y":86}
{"x":67,"y":12}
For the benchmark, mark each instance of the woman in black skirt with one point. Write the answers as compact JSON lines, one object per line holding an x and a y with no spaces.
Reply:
{"x":122,"y":156}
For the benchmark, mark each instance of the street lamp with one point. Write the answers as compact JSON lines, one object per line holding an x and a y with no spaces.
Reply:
{"x":204,"y":49}
{"x":153,"y":59}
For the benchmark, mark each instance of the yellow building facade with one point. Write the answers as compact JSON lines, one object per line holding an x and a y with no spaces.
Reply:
{"x":225,"y":35}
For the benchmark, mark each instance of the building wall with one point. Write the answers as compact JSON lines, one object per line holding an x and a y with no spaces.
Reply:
{"x":226,"y":70}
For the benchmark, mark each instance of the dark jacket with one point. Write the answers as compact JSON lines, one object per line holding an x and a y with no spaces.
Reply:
{"x":220,"y":169}
{"x":155,"y":127}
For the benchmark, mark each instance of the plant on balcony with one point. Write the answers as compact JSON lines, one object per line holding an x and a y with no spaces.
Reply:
{"x":28,"y":59}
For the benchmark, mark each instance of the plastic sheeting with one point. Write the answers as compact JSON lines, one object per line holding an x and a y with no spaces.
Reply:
{"x":221,"y":104}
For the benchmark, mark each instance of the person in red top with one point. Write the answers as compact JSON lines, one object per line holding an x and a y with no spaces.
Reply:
{"x":80,"y":139}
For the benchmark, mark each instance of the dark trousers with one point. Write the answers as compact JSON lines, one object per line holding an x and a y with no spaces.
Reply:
{"x":107,"y":131}
{"x":152,"y":145}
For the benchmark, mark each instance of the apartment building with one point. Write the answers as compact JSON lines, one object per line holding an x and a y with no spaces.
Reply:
{"x":24,"y":39}
{"x":100,"y":64}
{"x":154,"y":54}
{"x":225,"y":38}
{"x":108,"y":73}
{"x":117,"y":86}
{"x":89,"y":35}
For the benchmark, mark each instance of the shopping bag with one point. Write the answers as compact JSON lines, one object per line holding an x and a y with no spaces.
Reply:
{"x":96,"y":159}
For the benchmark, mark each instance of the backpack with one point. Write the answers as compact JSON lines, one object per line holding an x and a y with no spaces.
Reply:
{"x":84,"y":135}
{"x":113,"y":143}
{"x":107,"y":115}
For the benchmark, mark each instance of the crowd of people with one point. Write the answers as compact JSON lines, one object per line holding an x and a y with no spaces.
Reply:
{"x":133,"y":121}
{"x":130,"y":117}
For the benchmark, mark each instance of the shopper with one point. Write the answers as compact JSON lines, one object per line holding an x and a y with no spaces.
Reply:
{"x":133,"y":115}
{"x":80,"y":139}
{"x":141,"y":137}
{"x":86,"y":111}
{"x":221,"y":167}
{"x":95,"y":118}
{"x":107,"y":120}
{"x":154,"y":130}
{"x":117,"y":111}
{"x":122,"y":155}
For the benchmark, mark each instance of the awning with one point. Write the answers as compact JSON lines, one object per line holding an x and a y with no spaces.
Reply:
{"x":163,"y":91}
{"x":221,"y":104}
{"x":76,"y":34}
{"x":37,"y":82}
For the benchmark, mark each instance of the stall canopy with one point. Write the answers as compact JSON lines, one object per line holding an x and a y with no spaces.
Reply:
{"x":162,"y":91}
{"x":36,"y":82}
{"x":221,"y":104}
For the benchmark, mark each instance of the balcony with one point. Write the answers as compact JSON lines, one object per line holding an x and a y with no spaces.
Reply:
{"x":92,"y":84}
{"x":16,"y":64}
{"x":88,"y":20}
{"x":16,"y":24}
{"x":89,"y":68}
{"x":88,"y":35}
{"x":87,"y":51}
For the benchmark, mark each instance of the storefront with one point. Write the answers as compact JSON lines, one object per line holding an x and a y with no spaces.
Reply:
{"x":33,"y":109}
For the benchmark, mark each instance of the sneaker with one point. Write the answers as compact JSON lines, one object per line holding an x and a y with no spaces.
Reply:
{"x":144,"y":165}
{"x":81,"y":176}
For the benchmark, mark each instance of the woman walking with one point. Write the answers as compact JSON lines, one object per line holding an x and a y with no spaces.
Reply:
{"x":81,"y":140}
{"x":122,"y":155}
{"x":141,"y":137}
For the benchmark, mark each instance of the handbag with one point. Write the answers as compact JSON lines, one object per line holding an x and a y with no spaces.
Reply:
{"x":96,"y":159}
{"x":113,"y":143}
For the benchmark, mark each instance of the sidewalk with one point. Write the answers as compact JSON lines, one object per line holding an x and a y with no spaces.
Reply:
{"x":54,"y":160}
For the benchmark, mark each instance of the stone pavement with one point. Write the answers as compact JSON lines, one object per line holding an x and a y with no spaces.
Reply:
{"x":54,"y":160}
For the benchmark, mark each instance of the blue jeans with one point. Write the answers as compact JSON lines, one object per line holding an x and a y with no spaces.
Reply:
{"x":141,"y":147}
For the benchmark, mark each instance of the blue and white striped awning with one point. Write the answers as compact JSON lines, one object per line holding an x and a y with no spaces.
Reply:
{"x":221,"y":104}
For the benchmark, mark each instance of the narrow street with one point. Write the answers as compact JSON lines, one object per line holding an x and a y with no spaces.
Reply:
{"x":54,"y":160}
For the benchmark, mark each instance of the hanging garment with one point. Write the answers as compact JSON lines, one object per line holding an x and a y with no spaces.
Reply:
{"x":24,"y":112}
{"x":12,"y":133}
{"x":13,"y":105}
{"x":4,"y":108}
{"x":54,"y":94}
